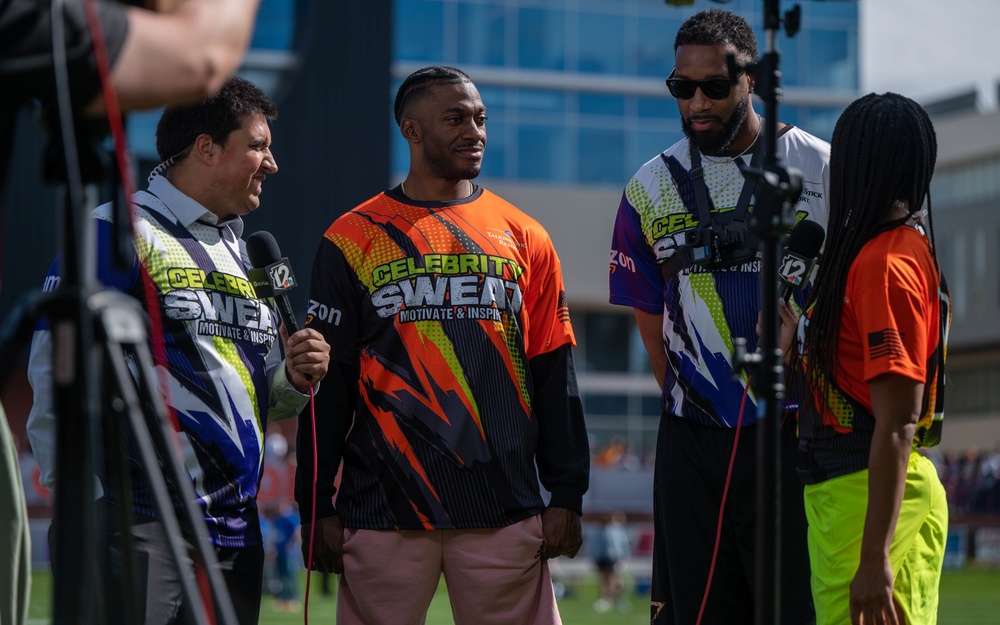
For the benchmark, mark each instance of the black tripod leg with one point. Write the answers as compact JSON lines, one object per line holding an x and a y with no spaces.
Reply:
{"x":124,"y":569}
{"x":74,"y":374}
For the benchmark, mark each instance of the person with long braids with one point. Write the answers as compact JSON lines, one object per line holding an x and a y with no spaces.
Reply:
{"x":871,"y":346}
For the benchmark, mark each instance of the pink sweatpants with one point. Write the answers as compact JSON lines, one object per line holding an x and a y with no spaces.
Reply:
{"x":493,"y":576}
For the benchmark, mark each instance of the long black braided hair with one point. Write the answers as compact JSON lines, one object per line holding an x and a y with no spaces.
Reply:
{"x":883,"y":151}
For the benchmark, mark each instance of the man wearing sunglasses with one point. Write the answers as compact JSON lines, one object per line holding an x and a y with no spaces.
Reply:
{"x":693,"y":280}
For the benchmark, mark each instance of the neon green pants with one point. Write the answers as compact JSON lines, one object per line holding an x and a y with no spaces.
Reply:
{"x":836,"y":509}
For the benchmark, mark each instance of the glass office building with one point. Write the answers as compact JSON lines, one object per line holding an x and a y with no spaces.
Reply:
{"x":575,"y":90}
{"x":575,"y":97}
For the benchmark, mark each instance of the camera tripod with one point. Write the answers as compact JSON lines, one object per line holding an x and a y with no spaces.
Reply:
{"x":104,"y":385}
{"x":778,"y":189}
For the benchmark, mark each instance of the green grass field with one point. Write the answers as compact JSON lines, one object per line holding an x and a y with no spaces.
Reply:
{"x":968,"y":597}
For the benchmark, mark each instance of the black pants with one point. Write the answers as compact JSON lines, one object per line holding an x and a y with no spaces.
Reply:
{"x":690,"y":474}
{"x":158,"y":583}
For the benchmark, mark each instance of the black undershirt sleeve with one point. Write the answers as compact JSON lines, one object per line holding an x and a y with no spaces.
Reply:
{"x":563,"y":453}
{"x":334,"y":414}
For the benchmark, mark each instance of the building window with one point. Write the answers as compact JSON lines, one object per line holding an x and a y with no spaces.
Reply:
{"x":607,"y":58}
{"x":419,"y":27}
{"x":541,"y":39}
{"x":621,"y":398}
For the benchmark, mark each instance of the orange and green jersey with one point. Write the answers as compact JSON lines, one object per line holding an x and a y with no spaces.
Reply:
{"x":439,"y":314}
{"x":895,"y":319}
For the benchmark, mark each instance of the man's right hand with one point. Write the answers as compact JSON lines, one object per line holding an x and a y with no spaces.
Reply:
{"x":328,"y":550}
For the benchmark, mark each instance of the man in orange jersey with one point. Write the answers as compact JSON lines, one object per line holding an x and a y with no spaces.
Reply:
{"x":453,"y":379}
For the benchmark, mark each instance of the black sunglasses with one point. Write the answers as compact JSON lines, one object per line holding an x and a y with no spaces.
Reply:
{"x":713,"y":88}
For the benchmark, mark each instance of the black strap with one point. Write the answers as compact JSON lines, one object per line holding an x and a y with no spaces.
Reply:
{"x":679,"y":261}
{"x":701,"y":192}
{"x":749,"y":187}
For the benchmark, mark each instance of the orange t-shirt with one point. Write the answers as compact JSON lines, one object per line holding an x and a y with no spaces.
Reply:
{"x":893,"y":306}
{"x":891,"y":319}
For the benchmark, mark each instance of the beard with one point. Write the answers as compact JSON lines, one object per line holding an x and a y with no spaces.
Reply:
{"x":442,"y":163}
{"x":713,"y":142}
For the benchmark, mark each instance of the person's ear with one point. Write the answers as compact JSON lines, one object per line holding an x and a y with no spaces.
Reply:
{"x":204,"y":148}
{"x":410,"y":130}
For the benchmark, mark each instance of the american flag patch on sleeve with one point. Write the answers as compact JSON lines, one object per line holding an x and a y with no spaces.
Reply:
{"x":888,"y":342}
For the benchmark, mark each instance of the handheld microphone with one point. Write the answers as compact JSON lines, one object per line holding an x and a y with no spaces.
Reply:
{"x":799,"y":256}
{"x":272,"y":275}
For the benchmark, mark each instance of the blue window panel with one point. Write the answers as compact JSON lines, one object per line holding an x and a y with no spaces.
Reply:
{"x":140,"y":128}
{"x":496,"y":149}
{"x":832,"y":60}
{"x":541,"y":39}
{"x":602,"y":156}
{"x":813,"y":11}
{"x":418,"y":30}
{"x":275,"y":25}
{"x":541,"y":153}
{"x":788,"y":115}
{"x":638,"y":358}
{"x":602,"y":44}
{"x":788,"y":60}
{"x":653,"y":48}
{"x":648,"y":144}
{"x":657,"y":108}
{"x":602,"y":336}
{"x":819,"y":121}
{"x":615,"y":405}
{"x":651,"y":408}
{"x":600,"y":104}
{"x":540,"y":101}
{"x":494,"y":98}
{"x":481,"y":34}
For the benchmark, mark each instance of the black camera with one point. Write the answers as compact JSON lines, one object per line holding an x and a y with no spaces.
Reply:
{"x":715,"y":246}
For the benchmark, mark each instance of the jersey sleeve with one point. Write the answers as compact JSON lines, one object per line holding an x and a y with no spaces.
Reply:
{"x":545,"y":302}
{"x":894,"y":318}
{"x":634,"y":278}
{"x":333,"y":312}
{"x":333,"y":302}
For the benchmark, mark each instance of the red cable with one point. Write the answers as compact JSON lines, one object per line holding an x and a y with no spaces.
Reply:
{"x":128,"y":189}
{"x":152,"y":300}
{"x":722,"y":506}
{"x":312,"y":513}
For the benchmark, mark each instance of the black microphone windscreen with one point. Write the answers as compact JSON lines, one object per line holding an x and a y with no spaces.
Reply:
{"x":806,"y":239}
{"x":262,"y":249}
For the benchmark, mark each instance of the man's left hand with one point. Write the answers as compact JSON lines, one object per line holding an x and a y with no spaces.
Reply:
{"x":307,"y":357}
{"x":562,"y":533}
